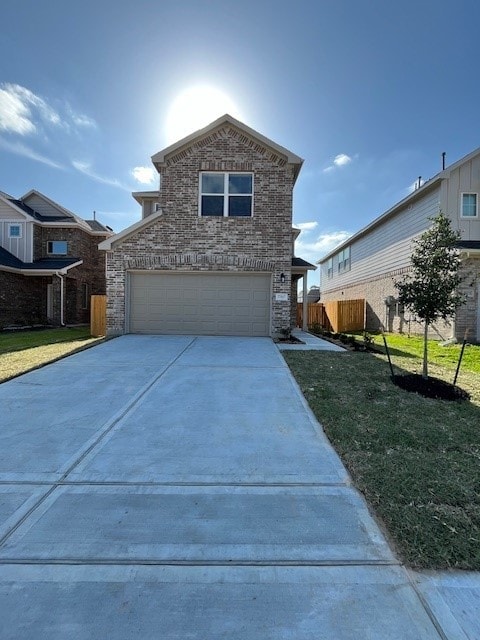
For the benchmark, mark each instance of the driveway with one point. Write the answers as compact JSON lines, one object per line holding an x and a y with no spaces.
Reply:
{"x":180,"y":487}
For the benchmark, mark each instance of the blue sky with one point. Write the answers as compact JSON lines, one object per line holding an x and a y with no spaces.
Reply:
{"x":368,"y":92}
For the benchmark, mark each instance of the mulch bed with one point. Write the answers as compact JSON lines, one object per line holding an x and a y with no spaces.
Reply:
{"x":430,"y":387}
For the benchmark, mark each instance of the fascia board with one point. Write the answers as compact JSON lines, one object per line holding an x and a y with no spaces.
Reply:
{"x":139,"y":196}
{"x":41,"y":272}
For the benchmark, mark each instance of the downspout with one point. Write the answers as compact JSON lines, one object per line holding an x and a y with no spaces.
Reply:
{"x":305,"y":303}
{"x":62,"y":296}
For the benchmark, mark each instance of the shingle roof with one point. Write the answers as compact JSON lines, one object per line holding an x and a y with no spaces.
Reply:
{"x":7,"y":259}
{"x":38,"y":216}
{"x":95,"y":225}
{"x":299,"y":262}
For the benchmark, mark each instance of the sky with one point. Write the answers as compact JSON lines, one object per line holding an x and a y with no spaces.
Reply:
{"x":368,"y":92}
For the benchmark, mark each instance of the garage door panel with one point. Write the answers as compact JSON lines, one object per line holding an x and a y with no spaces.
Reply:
{"x":208,"y":304}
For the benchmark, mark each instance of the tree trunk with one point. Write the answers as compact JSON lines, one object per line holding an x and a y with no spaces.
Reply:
{"x":425,"y":351}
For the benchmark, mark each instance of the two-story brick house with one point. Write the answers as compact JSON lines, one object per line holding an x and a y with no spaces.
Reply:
{"x":50,"y":263}
{"x":369,"y":262}
{"x":213,"y":252}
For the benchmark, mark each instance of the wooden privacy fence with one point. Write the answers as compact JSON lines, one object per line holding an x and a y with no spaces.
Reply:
{"x":98,"y":315}
{"x":336,"y":315}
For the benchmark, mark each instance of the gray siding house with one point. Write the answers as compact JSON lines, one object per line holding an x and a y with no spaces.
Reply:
{"x":213,"y":251}
{"x":367,"y":264}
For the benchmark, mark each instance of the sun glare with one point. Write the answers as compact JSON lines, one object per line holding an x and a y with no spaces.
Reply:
{"x":196,"y":107}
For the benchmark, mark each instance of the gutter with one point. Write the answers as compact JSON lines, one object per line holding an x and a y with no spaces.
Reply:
{"x":62,"y":295}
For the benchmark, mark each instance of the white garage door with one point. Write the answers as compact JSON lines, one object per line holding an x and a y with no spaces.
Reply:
{"x":223,"y":304}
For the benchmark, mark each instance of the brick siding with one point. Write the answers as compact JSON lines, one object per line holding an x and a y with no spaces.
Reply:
{"x":376,"y":290}
{"x":23,"y":300}
{"x":180,"y":240}
{"x":83,"y":246}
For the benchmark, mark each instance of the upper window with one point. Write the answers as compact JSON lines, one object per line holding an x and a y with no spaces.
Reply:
{"x":469,"y":205}
{"x":14,"y":231}
{"x":344,"y":260}
{"x":226,"y":194}
{"x":57,"y":247}
{"x":330,"y":268}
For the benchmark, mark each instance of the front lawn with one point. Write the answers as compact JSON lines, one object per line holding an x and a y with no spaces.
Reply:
{"x":21,"y":351}
{"x":416,"y":460}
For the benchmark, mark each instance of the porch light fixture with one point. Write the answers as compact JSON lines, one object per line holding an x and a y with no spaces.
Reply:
{"x":282,"y":278}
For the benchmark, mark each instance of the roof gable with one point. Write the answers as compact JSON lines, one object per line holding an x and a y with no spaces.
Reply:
{"x":250,"y":137}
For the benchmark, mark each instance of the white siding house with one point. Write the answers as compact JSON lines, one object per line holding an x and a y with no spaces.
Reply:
{"x":368,"y":263}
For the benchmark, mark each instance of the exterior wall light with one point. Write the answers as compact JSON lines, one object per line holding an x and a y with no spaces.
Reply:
{"x":282,"y":278}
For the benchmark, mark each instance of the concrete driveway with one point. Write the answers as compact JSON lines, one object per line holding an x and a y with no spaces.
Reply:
{"x":179,"y":487}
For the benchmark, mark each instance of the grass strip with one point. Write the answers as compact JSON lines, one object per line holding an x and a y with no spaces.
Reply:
{"x":22,"y":351}
{"x":416,"y":460}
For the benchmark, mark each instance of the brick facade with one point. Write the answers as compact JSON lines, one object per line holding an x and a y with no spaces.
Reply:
{"x":181,"y":240}
{"x":23,"y":300}
{"x":91,"y":272}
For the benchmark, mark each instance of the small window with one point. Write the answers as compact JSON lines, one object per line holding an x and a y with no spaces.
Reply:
{"x":226,"y":194}
{"x":330,"y":268}
{"x":57,"y":247}
{"x":85,"y":296}
{"x":14,"y":231}
{"x":344,"y":260}
{"x":469,"y":205}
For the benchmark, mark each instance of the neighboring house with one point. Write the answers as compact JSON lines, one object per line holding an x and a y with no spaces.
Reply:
{"x":367,"y":264}
{"x":49,"y":262}
{"x":213,"y":252}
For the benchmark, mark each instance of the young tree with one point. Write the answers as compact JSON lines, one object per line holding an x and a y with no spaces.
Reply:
{"x":430,"y":289}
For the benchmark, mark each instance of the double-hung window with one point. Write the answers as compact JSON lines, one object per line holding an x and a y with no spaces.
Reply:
{"x":469,"y":205}
{"x":57,"y":247}
{"x":330,"y":268}
{"x":344,"y":260}
{"x":226,"y":194}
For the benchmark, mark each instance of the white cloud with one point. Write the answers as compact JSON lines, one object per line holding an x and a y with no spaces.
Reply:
{"x":144,"y":175}
{"x":21,"y":149}
{"x":323,"y":244}
{"x":306,"y":226}
{"x":22,"y":112}
{"x":86,"y":169}
{"x":340,"y":160}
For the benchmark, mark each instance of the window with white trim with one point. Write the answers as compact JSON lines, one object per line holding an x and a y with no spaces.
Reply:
{"x":344,"y":260}
{"x":14,"y":230}
{"x":330,"y":268}
{"x":226,"y":194}
{"x":469,"y":205}
{"x":57,"y":247}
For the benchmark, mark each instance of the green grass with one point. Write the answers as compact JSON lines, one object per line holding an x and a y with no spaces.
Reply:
{"x":443,"y":356}
{"x":22,"y":351}
{"x":416,"y":460}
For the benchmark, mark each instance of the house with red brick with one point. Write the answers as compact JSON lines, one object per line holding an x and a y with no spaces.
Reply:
{"x":50,"y":263}
{"x":213,"y":252}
